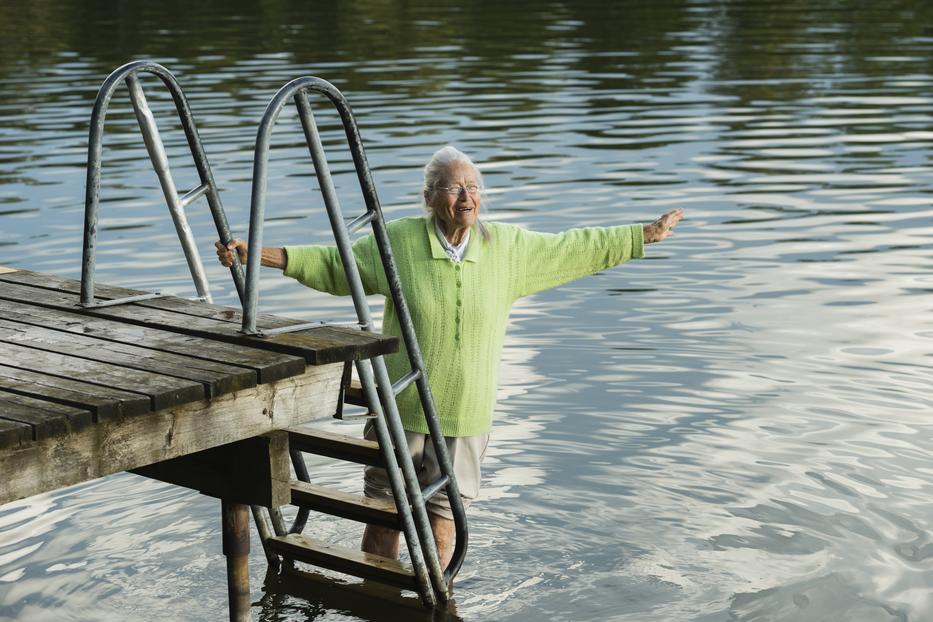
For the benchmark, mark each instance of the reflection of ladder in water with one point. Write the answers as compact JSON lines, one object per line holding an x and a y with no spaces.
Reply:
{"x":408,"y":513}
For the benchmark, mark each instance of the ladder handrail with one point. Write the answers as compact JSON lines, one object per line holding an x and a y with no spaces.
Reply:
{"x":395,"y":436}
{"x":129,"y":73}
{"x":382,"y":403}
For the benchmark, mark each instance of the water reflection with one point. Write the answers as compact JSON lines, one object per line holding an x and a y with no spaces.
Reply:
{"x":732,"y":429}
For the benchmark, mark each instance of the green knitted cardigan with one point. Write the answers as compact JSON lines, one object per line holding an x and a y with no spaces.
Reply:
{"x":460,"y":310}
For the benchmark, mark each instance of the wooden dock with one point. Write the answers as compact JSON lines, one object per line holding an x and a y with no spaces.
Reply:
{"x":166,"y":387}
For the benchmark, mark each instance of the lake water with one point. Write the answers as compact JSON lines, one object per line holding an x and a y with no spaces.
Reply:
{"x":737,"y":427}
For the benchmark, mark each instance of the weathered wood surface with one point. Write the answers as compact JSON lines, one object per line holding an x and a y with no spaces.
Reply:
{"x":104,"y":402}
{"x":333,"y":445}
{"x":254,"y":471}
{"x":111,"y":361}
{"x":325,"y":344}
{"x":268,"y":365}
{"x":127,"y":443}
{"x":216,"y":378}
{"x":47,"y":419}
{"x":163,"y":391}
{"x":14,"y":432}
{"x":339,"y":503}
{"x":356,"y":563}
{"x":89,"y":392}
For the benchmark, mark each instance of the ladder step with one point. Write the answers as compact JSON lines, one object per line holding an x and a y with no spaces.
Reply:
{"x":333,"y":445}
{"x":337,"y":503}
{"x":348,"y":561}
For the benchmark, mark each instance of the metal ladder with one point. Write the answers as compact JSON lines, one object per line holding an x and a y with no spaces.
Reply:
{"x":426,"y":577}
{"x":129,"y":74}
{"x":431,"y":581}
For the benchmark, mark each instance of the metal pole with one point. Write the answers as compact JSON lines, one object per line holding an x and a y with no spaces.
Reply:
{"x":257,"y":214}
{"x":395,"y":462}
{"x":92,"y":188}
{"x":301,"y":473}
{"x":427,"y":401}
{"x":156,"y":149}
{"x":95,"y":147}
{"x":391,"y":427}
{"x":394,"y":428}
{"x":236,"y":549}
{"x":208,"y":185}
{"x":262,"y":526}
{"x":368,"y":188}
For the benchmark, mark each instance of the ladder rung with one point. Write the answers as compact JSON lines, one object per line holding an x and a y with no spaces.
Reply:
{"x":333,"y":445}
{"x":352,"y":562}
{"x":360,"y":221}
{"x":193,"y":195}
{"x":435,"y":487}
{"x":406,"y":380}
{"x":337,"y":503}
{"x":354,"y":393}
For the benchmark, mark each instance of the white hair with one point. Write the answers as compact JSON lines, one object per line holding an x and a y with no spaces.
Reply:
{"x":437,"y":165}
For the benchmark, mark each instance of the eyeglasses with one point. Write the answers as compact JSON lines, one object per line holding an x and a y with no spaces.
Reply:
{"x":471,"y":189}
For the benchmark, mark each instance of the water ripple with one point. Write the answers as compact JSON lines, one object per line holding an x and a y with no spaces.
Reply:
{"x":735,"y":428}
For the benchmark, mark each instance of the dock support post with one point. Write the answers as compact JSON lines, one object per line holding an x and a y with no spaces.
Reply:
{"x":236,"y":549}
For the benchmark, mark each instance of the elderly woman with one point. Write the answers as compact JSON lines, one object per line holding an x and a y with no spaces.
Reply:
{"x":460,"y":277}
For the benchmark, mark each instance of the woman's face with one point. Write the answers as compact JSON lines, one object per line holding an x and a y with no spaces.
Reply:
{"x":460,"y":210}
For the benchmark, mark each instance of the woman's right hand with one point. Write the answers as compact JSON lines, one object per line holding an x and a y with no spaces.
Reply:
{"x":225,"y":253}
{"x":661,"y":228}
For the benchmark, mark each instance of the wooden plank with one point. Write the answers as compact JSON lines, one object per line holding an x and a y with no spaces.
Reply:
{"x":333,"y":445}
{"x":169,"y":303}
{"x":132,"y":442}
{"x":353,"y":394}
{"x":318,"y":346}
{"x":42,"y":424}
{"x":268,"y":365}
{"x":338,"y":503}
{"x":349,"y":561}
{"x":367,"y":599}
{"x":47,"y":419}
{"x":216,"y":378}
{"x":254,"y":471}
{"x":163,"y":391}
{"x":14,"y":433}
{"x":103,"y":402}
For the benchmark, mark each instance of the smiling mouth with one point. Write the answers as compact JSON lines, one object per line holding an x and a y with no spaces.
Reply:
{"x":464,"y":209}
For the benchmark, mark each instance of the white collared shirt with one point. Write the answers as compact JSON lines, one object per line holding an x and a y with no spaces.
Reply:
{"x":457,"y":252}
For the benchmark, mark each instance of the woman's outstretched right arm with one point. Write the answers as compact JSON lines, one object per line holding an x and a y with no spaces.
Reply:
{"x":271,"y":257}
{"x":318,"y":267}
